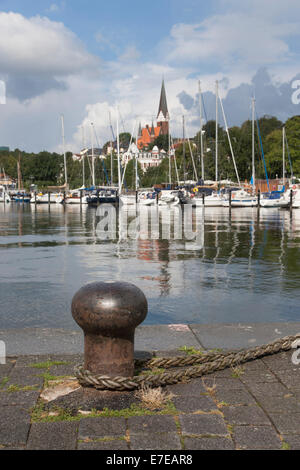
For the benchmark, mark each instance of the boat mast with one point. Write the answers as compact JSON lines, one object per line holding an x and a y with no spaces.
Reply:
{"x":169,"y":143}
{"x":183,"y":149}
{"x":283,"y":155}
{"x":83,"y":147}
{"x":136,"y":162}
{"x":20,"y":186}
{"x":229,"y":141}
{"x":111,"y":165}
{"x":253,"y":149}
{"x":217,"y":98}
{"x":201,"y":136}
{"x":118,"y":151}
{"x":93,"y":156}
{"x":64,"y":149}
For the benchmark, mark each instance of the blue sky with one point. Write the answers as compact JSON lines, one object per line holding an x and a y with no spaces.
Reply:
{"x":84,"y":58}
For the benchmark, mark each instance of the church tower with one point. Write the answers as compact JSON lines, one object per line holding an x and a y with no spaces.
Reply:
{"x":163,"y":113}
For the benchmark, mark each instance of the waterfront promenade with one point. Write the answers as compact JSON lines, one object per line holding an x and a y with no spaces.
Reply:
{"x":253,"y":406}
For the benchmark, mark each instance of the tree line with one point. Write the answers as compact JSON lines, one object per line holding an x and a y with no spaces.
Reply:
{"x":47,"y":169}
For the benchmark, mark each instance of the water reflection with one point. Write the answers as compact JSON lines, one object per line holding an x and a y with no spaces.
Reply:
{"x":243,"y":266}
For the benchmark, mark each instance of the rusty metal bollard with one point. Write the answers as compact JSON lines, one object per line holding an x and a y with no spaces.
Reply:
{"x":108,"y":313}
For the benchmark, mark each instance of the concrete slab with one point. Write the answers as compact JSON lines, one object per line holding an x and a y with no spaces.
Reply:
{"x":41,"y":341}
{"x":31,"y":341}
{"x":238,"y":336}
{"x":164,"y":337}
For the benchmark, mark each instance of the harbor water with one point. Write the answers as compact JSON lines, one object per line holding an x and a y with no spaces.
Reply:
{"x":245,"y":266}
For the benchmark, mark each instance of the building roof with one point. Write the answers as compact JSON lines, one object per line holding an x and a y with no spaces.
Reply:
{"x":163,"y":107}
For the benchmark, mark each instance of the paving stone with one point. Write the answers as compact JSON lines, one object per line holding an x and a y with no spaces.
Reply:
{"x":87,"y":399}
{"x":245,"y":415}
{"x":53,"y":436}
{"x":116,"y":444}
{"x":14,"y":425}
{"x":268,"y":389}
{"x":282,"y":361}
{"x":155,"y":441}
{"x":26,"y":398}
{"x":256,"y":365}
{"x":5,"y":369}
{"x":225,"y":383}
{"x":257,"y":376}
{"x":193,"y":388}
{"x":202,"y":424}
{"x":279,"y":404}
{"x":211,"y":443}
{"x":222,"y":373}
{"x":292,"y":440}
{"x":234,"y":397}
{"x":192,"y":404}
{"x":290,"y":379}
{"x":256,"y":437}
{"x":155,"y":423}
{"x":25,"y":361}
{"x":101,"y":427}
{"x":26,"y":376}
{"x":288,"y":423}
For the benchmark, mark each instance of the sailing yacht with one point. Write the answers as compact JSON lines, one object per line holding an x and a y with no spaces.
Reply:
{"x":241,"y":198}
{"x":168,"y":197}
{"x":215,"y":199}
{"x":277,"y":198}
{"x":147,"y":198}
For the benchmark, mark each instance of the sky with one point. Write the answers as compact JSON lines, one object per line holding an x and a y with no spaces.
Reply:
{"x":86,"y":59}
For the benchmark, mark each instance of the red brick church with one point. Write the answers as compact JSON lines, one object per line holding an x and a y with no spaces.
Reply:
{"x":147,"y":134}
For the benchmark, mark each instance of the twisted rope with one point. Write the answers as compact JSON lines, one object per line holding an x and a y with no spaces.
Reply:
{"x":205,"y":364}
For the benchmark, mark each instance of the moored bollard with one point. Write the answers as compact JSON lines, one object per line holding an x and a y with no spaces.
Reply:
{"x":108,"y":313}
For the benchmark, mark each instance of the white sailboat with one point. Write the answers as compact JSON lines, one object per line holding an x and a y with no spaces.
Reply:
{"x":241,"y":197}
{"x":274,"y":198}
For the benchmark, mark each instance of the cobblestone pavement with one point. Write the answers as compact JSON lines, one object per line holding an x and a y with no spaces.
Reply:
{"x":254,"y":406}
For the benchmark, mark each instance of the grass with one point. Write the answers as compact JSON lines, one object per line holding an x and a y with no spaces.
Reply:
{"x":16,"y":388}
{"x":190,"y":350}
{"x":3,"y":382}
{"x":47,"y":364}
{"x":285,"y":446}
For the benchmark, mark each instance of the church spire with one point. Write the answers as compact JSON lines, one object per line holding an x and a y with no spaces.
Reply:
{"x":163,"y":114}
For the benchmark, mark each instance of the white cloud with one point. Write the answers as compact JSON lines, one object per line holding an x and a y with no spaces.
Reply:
{"x":231,"y":40}
{"x":40,"y":46}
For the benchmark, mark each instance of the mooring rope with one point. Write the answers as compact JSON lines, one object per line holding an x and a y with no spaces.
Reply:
{"x":206,"y":363}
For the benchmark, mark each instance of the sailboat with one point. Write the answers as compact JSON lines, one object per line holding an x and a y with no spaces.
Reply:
{"x":214,"y":199}
{"x":131,"y":199}
{"x":20,"y":195}
{"x":241,"y":197}
{"x":277,"y":198}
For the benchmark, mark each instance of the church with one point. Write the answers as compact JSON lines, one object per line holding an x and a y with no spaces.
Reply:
{"x":147,"y":134}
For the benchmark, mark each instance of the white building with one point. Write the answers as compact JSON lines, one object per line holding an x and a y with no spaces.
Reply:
{"x":146,"y":159}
